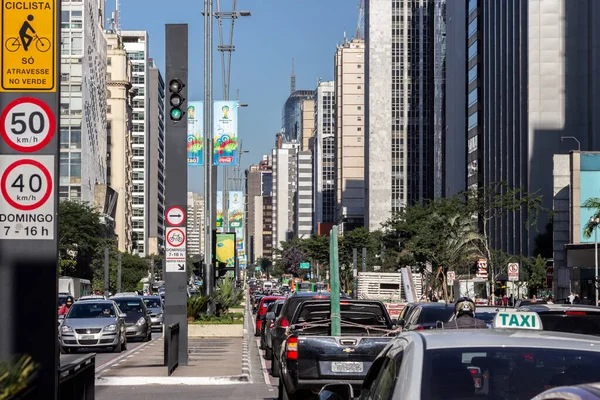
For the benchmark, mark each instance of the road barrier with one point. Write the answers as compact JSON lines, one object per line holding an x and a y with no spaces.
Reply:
{"x":76,"y":377}
{"x":172,"y":347}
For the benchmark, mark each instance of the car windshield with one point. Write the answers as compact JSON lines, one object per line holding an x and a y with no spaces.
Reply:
{"x":497,"y":373}
{"x":152,"y":302}
{"x":130,"y":306}
{"x":92,"y":310}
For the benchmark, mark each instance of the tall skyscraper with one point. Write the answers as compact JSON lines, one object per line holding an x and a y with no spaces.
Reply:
{"x":136,"y":46}
{"x":350,"y":134}
{"x":83,"y":139}
{"x":284,"y":192}
{"x":292,"y":115}
{"x":303,"y":214}
{"x":195,"y":224}
{"x":531,"y":74}
{"x":156,"y":160}
{"x":119,"y":113}
{"x":324,"y":156}
{"x":258,"y":183}
{"x":399,"y":161}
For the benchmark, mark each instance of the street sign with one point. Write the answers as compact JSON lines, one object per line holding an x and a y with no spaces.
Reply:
{"x":28,"y":46}
{"x":27,"y":193}
{"x":27,"y":124}
{"x":513,"y":271}
{"x":450,"y":277}
{"x":304,"y":265}
{"x":175,"y":250}
{"x":175,"y":216}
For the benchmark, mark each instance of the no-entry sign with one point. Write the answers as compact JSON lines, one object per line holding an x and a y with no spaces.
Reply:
{"x":27,"y":124}
{"x":27,"y":193}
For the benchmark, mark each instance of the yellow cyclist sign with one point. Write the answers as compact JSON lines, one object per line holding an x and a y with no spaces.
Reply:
{"x":28,"y":39}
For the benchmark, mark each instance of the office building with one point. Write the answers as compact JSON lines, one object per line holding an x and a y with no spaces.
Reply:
{"x":263,"y":227}
{"x":119,"y":114}
{"x":400,"y":95}
{"x":83,"y":137}
{"x":350,"y":134}
{"x":303,"y":213}
{"x":156,"y":160}
{"x":259,"y":183}
{"x":324,"y":155}
{"x":307,"y":126}
{"x":532,"y":70}
{"x":195,"y":224}
{"x":439,"y":97}
{"x":292,"y":114}
{"x":284,"y":192}
{"x":136,"y":46}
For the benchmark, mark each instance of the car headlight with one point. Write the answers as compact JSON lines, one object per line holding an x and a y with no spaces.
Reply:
{"x":110,"y":328}
{"x":159,"y":316}
{"x":66,"y":329}
{"x":141,"y":321}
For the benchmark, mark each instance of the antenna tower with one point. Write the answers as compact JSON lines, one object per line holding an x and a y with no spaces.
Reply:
{"x":360,"y":26}
{"x":292,"y":79}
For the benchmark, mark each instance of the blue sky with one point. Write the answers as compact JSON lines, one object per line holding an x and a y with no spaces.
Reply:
{"x":307,"y":30}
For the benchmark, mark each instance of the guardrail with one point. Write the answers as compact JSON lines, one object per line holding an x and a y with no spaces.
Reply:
{"x":76,"y":377}
{"x":172,"y":347}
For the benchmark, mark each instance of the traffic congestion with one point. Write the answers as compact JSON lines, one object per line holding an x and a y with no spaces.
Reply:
{"x":530,"y":349}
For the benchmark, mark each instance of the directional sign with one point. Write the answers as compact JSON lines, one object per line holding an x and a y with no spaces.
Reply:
{"x":513,"y":271}
{"x":27,"y":197}
{"x":304,"y":265}
{"x":28,"y":41}
{"x":175,"y":216}
{"x":451,"y":276}
{"x":27,"y":124}
{"x":175,"y":250}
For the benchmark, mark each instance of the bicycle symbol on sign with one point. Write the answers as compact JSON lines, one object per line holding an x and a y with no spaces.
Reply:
{"x":13,"y":44}
{"x":176,"y":238}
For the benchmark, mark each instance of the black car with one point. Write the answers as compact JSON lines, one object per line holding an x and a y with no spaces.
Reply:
{"x":421,"y":316}
{"x":137,"y":322}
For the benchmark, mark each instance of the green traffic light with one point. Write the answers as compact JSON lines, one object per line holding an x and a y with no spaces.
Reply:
{"x":176,"y":114}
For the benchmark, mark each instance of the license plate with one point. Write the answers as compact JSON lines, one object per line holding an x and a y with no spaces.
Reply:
{"x":87,"y":337}
{"x":345,"y":366}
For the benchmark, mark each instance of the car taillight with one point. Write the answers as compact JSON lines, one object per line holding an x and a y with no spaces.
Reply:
{"x":575,"y":313}
{"x":284,"y":323}
{"x":292,"y":348}
{"x":420,"y":328}
{"x":473,"y":371}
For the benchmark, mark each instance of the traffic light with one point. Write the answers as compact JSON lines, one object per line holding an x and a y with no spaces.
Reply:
{"x":176,"y":100}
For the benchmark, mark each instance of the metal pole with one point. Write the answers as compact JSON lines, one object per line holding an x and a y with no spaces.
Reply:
{"x":119,"y":257}
{"x":208,"y":156}
{"x":354,"y":270}
{"x":106,"y":276}
{"x":151,"y":274}
{"x":334,"y":276}
{"x":596,"y":261}
{"x":364,"y":259}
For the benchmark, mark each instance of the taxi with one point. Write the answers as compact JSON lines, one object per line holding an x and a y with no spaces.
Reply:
{"x":516,"y":359}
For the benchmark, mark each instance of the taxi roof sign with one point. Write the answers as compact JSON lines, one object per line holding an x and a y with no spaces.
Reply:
{"x":518,"y":320}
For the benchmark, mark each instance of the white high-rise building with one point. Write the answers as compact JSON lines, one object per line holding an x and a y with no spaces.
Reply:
{"x":136,"y":46}
{"x":195,"y":224}
{"x":83,"y":137}
{"x":284,"y":191}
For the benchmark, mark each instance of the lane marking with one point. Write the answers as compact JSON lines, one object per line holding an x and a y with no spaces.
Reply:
{"x":128,"y":353}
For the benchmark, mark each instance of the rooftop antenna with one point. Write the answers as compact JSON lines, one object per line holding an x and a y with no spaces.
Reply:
{"x":360,"y":26}
{"x":117,"y":15}
{"x":292,"y":79}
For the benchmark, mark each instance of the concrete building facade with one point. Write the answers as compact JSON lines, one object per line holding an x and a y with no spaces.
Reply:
{"x":350,"y":133}
{"x":119,"y":114}
{"x":307,"y":129}
{"x":284,"y":192}
{"x":303,"y":213}
{"x":156,"y":160}
{"x":258,"y":183}
{"x":83,"y":137}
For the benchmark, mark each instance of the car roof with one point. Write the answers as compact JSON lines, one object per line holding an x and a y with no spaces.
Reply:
{"x":128,"y":298}
{"x":560,"y":307}
{"x":151,"y":297}
{"x":98,"y":301}
{"x":432,"y":305}
{"x":473,"y":338}
{"x":310,"y":294}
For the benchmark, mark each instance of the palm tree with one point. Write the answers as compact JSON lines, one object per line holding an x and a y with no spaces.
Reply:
{"x":591,"y":224}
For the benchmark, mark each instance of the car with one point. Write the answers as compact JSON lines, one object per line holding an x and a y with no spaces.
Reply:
{"x":570,"y":318}
{"x":589,"y":391}
{"x":421,"y":316}
{"x":137,"y":321}
{"x":92,"y":297}
{"x":154,"y":304}
{"x":262,"y":311}
{"x":93,"y":324}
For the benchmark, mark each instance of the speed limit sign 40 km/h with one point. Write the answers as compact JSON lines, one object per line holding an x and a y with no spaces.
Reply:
{"x":27,"y":124}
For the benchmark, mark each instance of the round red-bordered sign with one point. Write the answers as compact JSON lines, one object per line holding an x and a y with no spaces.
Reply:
{"x":175,"y":219}
{"x":170,"y":238}
{"x":38,"y":203}
{"x":23,"y":122}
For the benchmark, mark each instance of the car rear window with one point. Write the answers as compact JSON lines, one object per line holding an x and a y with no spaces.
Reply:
{"x":371,"y":314}
{"x":434,"y":314}
{"x":578,"y":322}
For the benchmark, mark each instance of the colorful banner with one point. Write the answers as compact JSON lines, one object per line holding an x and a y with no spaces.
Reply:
{"x":225,"y":249}
{"x":226,"y":133}
{"x":236,"y":209}
{"x":219,"y":220}
{"x":195,"y":133}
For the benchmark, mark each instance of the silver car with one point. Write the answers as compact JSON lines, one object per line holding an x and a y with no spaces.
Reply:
{"x":93,"y":324}
{"x":155,"y":306}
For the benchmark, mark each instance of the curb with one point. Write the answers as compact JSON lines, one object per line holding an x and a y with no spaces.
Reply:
{"x":170,"y":380}
{"x":246,"y":369}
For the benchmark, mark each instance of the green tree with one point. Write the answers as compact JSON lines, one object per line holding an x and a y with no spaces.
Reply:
{"x":357,"y":239}
{"x":81,"y":237}
{"x":588,"y":228}
{"x":535,"y":274}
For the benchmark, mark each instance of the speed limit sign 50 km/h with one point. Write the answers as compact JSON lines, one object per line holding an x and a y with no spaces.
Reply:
{"x":27,"y":124}
{"x":27,"y":197}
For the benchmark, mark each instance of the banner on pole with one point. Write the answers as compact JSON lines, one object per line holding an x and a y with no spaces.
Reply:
{"x":225,"y":151}
{"x":195,"y":133}
{"x":219,"y":207}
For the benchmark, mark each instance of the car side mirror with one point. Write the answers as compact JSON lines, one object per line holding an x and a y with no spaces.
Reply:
{"x":336,"y":391}
{"x":122,"y":315}
{"x":271,"y":315}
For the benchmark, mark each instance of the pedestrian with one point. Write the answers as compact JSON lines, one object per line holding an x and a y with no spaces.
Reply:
{"x":571,"y":297}
{"x":576,"y":299}
{"x":64,"y":309}
{"x":505,"y":300}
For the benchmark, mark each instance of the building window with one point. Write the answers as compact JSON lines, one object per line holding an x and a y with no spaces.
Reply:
{"x":473,"y":74}
{"x":472,"y":97}
{"x":359,"y":66}
{"x":473,"y":120}
{"x":472,"y":5}
{"x":108,"y":61}
{"x":472,"y":28}
{"x":473,"y":50}
{"x":359,"y":108}
{"x":472,"y":145}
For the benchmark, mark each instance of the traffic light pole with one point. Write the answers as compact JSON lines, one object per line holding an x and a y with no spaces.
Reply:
{"x":209,"y":196}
